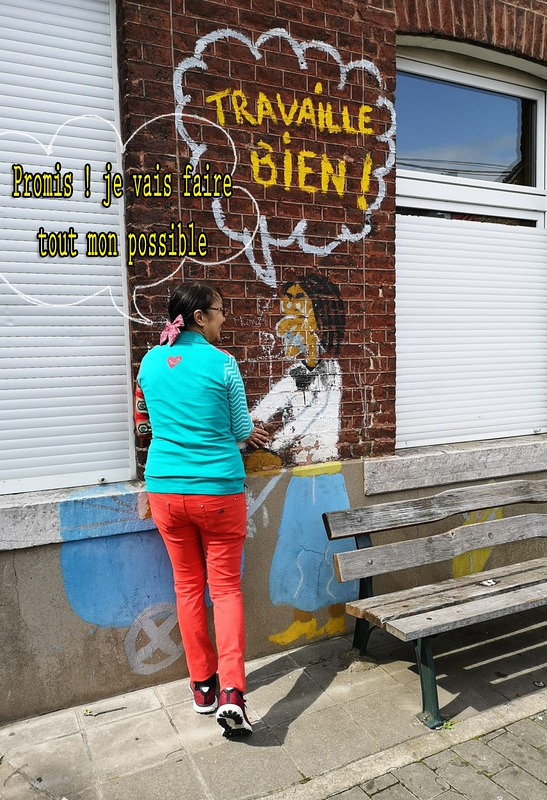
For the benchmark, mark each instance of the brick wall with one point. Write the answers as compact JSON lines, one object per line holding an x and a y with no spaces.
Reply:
{"x":299,"y":186}
{"x":290,"y":181}
{"x":516,"y":26}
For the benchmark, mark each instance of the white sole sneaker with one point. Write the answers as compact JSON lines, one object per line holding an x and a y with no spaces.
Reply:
{"x":232,"y":717}
{"x":202,"y":709}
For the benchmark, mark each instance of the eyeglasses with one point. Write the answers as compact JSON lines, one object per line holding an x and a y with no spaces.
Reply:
{"x":217,"y":308}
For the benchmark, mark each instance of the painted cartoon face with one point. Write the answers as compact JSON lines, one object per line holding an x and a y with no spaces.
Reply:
{"x":298,"y":326}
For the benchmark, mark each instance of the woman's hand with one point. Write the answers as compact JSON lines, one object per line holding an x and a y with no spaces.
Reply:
{"x":258,"y":438}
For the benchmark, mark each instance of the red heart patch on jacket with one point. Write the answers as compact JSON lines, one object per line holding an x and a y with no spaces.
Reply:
{"x":173,"y":361}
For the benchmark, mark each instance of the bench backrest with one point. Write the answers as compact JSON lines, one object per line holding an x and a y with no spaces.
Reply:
{"x":432,"y":549}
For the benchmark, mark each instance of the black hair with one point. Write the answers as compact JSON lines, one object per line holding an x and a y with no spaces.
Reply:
{"x":189,"y":297}
{"x":327,"y":307}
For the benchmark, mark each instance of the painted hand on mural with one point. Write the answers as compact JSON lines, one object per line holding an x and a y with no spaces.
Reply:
{"x":354,"y":141}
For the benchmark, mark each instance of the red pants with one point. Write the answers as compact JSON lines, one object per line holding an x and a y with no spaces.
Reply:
{"x":204,"y":536}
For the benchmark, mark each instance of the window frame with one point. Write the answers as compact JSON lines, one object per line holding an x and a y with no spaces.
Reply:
{"x":467,"y":65}
{"x":446,"y":192}
{"x":57,"y":478}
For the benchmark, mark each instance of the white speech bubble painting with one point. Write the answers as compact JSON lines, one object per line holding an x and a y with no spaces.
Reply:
{"x":19,"y":245}
{"x":198,"y":150}
{"x":62,"y":215}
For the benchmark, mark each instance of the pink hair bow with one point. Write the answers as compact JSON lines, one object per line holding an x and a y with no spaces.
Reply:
{"x":171,"y":330}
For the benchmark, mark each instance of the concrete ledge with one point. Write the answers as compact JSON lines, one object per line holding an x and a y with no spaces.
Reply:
{"x":418,"y":468}
{"x":31,"y":519}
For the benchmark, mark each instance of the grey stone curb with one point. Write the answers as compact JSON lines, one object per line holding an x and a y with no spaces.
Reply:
{"x":343,"y":778}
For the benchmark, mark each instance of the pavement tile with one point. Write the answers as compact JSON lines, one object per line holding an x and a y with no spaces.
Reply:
{"x":379,"y":784}
{"x":324,"y":740}
{"x":15,"y":735}
{"x":326,"y":650}
{"x":480,"y":756}
{"x":355,"y":793}
{"x":287,"y":697}
{"x":171,"y":780}
{"x":57,"y":766}
{"x":397,"y":792}
{"x":250,"y":766}
{"x":492,"y":735}
{"x":357,"y":680}
{"x":198,"y":731}
{"x":522,"y":754}
{"x":444,"y":757}
{"x":125,"y":745}
{"x":521,"y":784}
{"x":105,"y":711}
{"x":421,"y":780}
{"x":93,"y":793}
{"x":406,"y":677}
{"x":540,"y":719}
{"x":530,"y":731}
{"x":510,"y":675}
{"x":465,"y":779}
{"x":461,"y":694}
{"x":172,"y":693}
{"x":397,"y":659}
{"x":262,"y":670}
{"x":13,"y":786}
{"x":389,"y":716}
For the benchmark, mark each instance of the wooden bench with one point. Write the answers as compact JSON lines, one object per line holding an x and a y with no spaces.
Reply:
{"x":421,"y":612}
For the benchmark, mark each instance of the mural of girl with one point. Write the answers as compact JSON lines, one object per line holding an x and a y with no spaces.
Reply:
{"x":308,"y":397}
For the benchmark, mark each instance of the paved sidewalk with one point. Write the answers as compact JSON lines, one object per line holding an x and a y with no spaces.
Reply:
{"x":325,"y":724}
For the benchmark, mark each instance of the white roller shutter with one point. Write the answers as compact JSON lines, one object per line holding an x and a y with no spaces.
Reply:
{"x":471,"y":316}
{"x":64,"y":404}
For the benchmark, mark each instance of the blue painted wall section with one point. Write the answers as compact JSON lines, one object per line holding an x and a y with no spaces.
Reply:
{"x":114,"y":563}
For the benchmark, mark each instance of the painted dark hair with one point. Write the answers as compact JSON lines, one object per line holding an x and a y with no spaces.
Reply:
{"x":327,"y":307}
{"x":189,"y":297}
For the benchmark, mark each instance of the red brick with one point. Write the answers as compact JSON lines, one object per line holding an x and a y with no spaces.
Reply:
{"x":288,"y":11}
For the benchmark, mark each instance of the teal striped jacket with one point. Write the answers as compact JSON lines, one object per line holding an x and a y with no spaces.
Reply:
{"x":198,"y":412}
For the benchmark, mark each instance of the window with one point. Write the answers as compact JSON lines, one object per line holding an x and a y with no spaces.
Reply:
{"x":63,"y":358}
{"x":471,"y":255}
{"x":469,"y":132}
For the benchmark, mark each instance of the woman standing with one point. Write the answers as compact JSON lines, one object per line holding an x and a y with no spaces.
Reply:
{"x":194,"y":397}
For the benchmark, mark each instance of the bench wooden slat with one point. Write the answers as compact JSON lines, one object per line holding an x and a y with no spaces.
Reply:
{"x":401,"y":513}
{"x":383,"y":608}
{"x":447,"y":619}
{"x":377,"y":560}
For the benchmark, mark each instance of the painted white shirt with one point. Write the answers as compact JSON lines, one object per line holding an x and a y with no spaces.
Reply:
{"x":310,"y":403}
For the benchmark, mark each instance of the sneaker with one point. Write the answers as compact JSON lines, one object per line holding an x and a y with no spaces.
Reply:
{"x":205,"y":695}
{"x":231,"y":713}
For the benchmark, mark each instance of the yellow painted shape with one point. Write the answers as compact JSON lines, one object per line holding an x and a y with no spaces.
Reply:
{"x":295,"y":630}
{"x":365,"y":183}
{"x":334,"y":626}
{"x":330,"y":468}
{"x":263,"y":461}
{"x":259,"y":161}
{"x":475,"y":561}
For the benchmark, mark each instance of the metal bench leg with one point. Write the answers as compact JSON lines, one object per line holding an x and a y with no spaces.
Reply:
{"x":430,"y":715}
{"x":363,"y":628}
